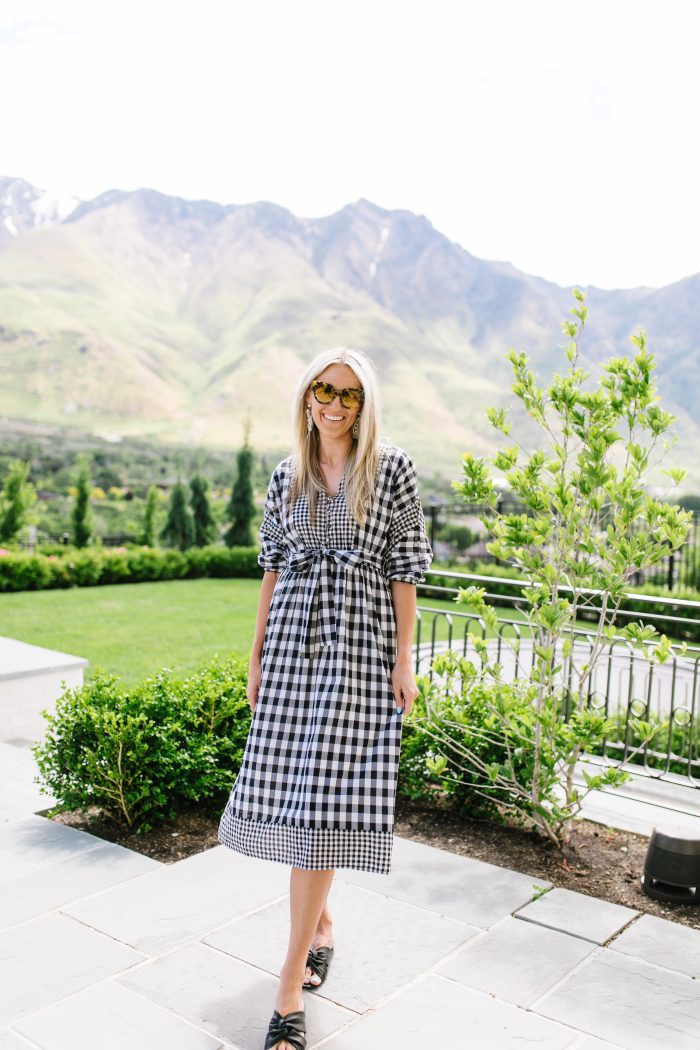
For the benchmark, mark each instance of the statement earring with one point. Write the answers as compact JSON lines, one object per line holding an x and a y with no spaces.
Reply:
{"x":356,"y":427}
{"x":309,"y":419}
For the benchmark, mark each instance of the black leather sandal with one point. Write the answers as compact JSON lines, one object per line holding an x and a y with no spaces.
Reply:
{"x":290,"y":1028}
{"x":318,"y":960}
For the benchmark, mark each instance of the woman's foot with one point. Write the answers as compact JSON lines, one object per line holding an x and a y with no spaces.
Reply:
{"x":322,"y":938}
{"x":286,"y":1032}
{"x":289,"y":998}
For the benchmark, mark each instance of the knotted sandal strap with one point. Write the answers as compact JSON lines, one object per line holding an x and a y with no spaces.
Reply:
{"x":291,"y":1028}
{"x":318,"y":961}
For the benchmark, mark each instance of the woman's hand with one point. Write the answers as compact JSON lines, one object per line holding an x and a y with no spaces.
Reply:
{"x":404,"y":686}
{"x":254,"y":679}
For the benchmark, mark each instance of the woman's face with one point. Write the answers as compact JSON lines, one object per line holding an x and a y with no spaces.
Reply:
{"x":334,"y":420}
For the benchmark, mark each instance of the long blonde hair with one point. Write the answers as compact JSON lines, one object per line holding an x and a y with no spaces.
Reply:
{"x":363,"y":457}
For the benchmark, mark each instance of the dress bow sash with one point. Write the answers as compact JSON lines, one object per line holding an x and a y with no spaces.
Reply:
{"x":324,"y":595}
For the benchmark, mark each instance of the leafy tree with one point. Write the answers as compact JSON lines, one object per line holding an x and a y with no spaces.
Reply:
{"x":241,"y":507}
{"x":590,"y":525}
{"x":204,"y":523}
{"x":148,"y":533}
{"x":178,"y":530}
{"x":17,"y":497}
{"x":460,"y":536}
{"x":81,"y":514}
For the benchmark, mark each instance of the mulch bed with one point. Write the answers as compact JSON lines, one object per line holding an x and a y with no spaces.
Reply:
{"x":599,"y":861}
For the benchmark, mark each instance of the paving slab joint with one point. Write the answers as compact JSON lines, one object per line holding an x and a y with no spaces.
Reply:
{"x":539,"y":892}
{"x":597,"y":950}
{"x":328,"y":1039}
{"x":635,"y":918}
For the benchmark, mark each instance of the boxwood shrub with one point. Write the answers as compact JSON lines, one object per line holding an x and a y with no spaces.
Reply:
{"x":139,"y":755}
{"x":92,"y":566}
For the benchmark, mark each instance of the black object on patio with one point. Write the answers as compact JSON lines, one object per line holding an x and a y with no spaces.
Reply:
{"x":672,"y":865}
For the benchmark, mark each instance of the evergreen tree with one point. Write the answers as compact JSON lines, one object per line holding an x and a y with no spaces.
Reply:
{"x":81,"y":514}
{"x":241,"y":508}
{"x":178,"y":530}
{"x":18,"y":495}
{"x":148,"y":533}
{"x":204,"y":523}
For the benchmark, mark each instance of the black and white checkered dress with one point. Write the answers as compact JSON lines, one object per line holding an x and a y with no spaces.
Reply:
{"x":317,"y":783}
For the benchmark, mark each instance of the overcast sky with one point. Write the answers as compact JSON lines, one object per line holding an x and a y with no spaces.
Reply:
{"x":561,"y":137}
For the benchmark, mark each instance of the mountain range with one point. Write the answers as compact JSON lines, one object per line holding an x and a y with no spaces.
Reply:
{"x":138,"y":313}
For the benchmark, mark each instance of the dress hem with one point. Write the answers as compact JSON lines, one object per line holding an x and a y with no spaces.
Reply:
{"x":313,"y":849}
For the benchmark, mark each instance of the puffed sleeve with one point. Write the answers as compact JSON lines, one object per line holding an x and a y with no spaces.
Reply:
{"x":273,"y":553}
{"x":408,"y":553}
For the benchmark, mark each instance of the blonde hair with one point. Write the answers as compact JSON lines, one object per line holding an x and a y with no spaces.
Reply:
{"x":363,"y":457}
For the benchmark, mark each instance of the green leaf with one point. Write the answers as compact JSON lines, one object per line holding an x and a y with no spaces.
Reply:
{"x":676,"y":474}
{"x":436,"y":765}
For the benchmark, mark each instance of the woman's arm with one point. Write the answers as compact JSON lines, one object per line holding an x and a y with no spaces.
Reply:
{"x":403,"y":596}
{"x":269,"y":582}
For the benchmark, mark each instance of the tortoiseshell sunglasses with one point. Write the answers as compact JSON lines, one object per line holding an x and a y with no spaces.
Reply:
{"x":350,"y":396}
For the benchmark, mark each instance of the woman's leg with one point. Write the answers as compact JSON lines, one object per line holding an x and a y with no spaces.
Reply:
{"x":308,"y":891}
{"x":322,"y":936}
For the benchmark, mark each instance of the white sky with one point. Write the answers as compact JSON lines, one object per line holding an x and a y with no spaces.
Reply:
{"x":559,"y":136}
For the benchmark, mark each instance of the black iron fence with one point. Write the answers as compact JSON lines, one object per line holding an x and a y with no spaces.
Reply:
{"x":625,"y":685}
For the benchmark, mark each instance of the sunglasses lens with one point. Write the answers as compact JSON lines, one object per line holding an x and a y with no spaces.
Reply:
{"x":324,"y":393}
{"x":350,"y":399}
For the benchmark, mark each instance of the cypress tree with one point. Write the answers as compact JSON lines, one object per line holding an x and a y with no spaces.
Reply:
{"x":81,"y":514}
{"x":148,"y":534}
{"x":178,"y":530}
{"x":204,"y":523}
{"x":17,"y":497}
{"x":241,"y":507}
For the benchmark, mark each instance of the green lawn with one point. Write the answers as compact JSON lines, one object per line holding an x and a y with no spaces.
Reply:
{"x":135,"y":629}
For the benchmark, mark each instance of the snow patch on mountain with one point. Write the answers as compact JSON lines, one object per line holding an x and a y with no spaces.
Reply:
{"x":23,"y":206}
{"x":51,"y":207}
{"x":378,"y":251}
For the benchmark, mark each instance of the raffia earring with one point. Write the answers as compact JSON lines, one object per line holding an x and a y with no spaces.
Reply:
{"x":309,"y":419}
{"x":356,"y":427}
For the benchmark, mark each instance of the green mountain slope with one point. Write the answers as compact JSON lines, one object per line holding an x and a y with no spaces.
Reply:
{"x":148,"y":315}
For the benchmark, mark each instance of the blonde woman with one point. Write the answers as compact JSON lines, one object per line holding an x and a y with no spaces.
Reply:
{"x":343,"y":547}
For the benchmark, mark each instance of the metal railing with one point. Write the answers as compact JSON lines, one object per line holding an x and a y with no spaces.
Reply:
{"x":624,"y":686}
{"x":516,"y":599}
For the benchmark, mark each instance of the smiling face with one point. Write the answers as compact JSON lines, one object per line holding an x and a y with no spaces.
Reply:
{"x":334,"y":420}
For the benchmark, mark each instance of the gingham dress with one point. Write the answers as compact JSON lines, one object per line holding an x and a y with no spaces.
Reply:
{"x":317,"y":783}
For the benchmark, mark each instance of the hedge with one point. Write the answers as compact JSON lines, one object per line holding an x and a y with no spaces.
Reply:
{"x":91,"y":567}
{"x":142,"y":754}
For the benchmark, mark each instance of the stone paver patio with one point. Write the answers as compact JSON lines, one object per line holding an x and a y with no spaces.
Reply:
{"x":101,"y":946}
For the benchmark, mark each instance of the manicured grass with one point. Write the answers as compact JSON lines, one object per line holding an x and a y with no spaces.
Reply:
{"x":134,"y":630}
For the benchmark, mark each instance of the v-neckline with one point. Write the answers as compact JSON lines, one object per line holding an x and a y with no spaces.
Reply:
{"x":340,"y":485}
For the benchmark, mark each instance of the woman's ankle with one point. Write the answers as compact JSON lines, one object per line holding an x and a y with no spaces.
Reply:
{"x":324,"y":934}
{"x":289,"y":995}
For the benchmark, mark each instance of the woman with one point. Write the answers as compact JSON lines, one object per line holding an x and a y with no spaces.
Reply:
{"x":343,"y":546}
